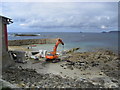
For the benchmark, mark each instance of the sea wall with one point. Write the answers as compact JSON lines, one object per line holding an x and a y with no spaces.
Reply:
{"x":30,"y":41}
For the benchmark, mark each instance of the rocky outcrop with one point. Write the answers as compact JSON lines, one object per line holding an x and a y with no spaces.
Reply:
{"x":26,"y":35}
{"x":105,"y":60}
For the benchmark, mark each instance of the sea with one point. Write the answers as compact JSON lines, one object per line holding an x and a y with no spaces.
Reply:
{"x":85,"y":41}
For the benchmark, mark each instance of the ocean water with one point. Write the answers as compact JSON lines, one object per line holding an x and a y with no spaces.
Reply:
{"x":86,"y":41}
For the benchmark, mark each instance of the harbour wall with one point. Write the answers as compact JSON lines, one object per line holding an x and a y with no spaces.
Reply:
{"x":31,"y":41}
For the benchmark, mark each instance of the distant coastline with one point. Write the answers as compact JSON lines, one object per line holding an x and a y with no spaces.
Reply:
{"x":114,"y":32}
{"x":26,"y":34}
{"x":111,"y":32}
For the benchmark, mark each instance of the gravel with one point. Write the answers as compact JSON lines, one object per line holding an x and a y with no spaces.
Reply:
{"x":29,"y":78}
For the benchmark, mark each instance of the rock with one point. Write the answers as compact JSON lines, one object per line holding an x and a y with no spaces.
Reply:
{"x":114,"y":80}
{"x":71,"y":63}
{"x":32,"y":86}
{"x":61,"y":72}
{"x":61,"y":65}
{"x":111,"y":85}
{"x":72,"y":50}
{"x":97,"y":81}
{"x":74,"y":73}
{"x":22,"y":85}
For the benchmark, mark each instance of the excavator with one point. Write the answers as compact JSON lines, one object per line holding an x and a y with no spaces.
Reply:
{"x":52,"y":55}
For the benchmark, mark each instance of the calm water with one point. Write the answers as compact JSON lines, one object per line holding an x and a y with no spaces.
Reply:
{"x":86,"y":41}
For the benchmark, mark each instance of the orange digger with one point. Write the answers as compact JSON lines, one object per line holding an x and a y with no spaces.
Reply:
{"x":52,"y":55}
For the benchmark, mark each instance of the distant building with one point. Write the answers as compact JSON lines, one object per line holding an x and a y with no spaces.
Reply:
{"x":5,"y":58}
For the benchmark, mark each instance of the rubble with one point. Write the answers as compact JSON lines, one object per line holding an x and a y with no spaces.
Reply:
{"x":71,"y":50}
{"x":30,"y":78}
{"x":106,"y":61}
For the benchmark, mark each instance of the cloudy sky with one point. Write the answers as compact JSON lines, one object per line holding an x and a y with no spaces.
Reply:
{"x":61,"y":17}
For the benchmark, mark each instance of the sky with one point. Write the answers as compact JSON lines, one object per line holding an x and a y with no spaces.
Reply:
{"x":61,"y":16}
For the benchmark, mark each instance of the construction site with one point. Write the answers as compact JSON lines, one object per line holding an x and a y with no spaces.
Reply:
{"x":41,"y":63}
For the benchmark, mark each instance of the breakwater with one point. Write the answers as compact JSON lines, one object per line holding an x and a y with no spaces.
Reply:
{"x":31,"y":41}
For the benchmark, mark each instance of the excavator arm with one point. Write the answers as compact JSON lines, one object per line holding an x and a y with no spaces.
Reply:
{"x":56,"y":45}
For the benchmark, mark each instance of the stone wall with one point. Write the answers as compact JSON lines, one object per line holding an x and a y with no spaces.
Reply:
{"x":30,"y":41}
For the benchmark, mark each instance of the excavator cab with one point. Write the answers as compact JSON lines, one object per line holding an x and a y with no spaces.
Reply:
{"x":51,"y":56}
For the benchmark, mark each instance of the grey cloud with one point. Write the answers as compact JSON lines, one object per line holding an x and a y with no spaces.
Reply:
{"x":51,"y":15}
